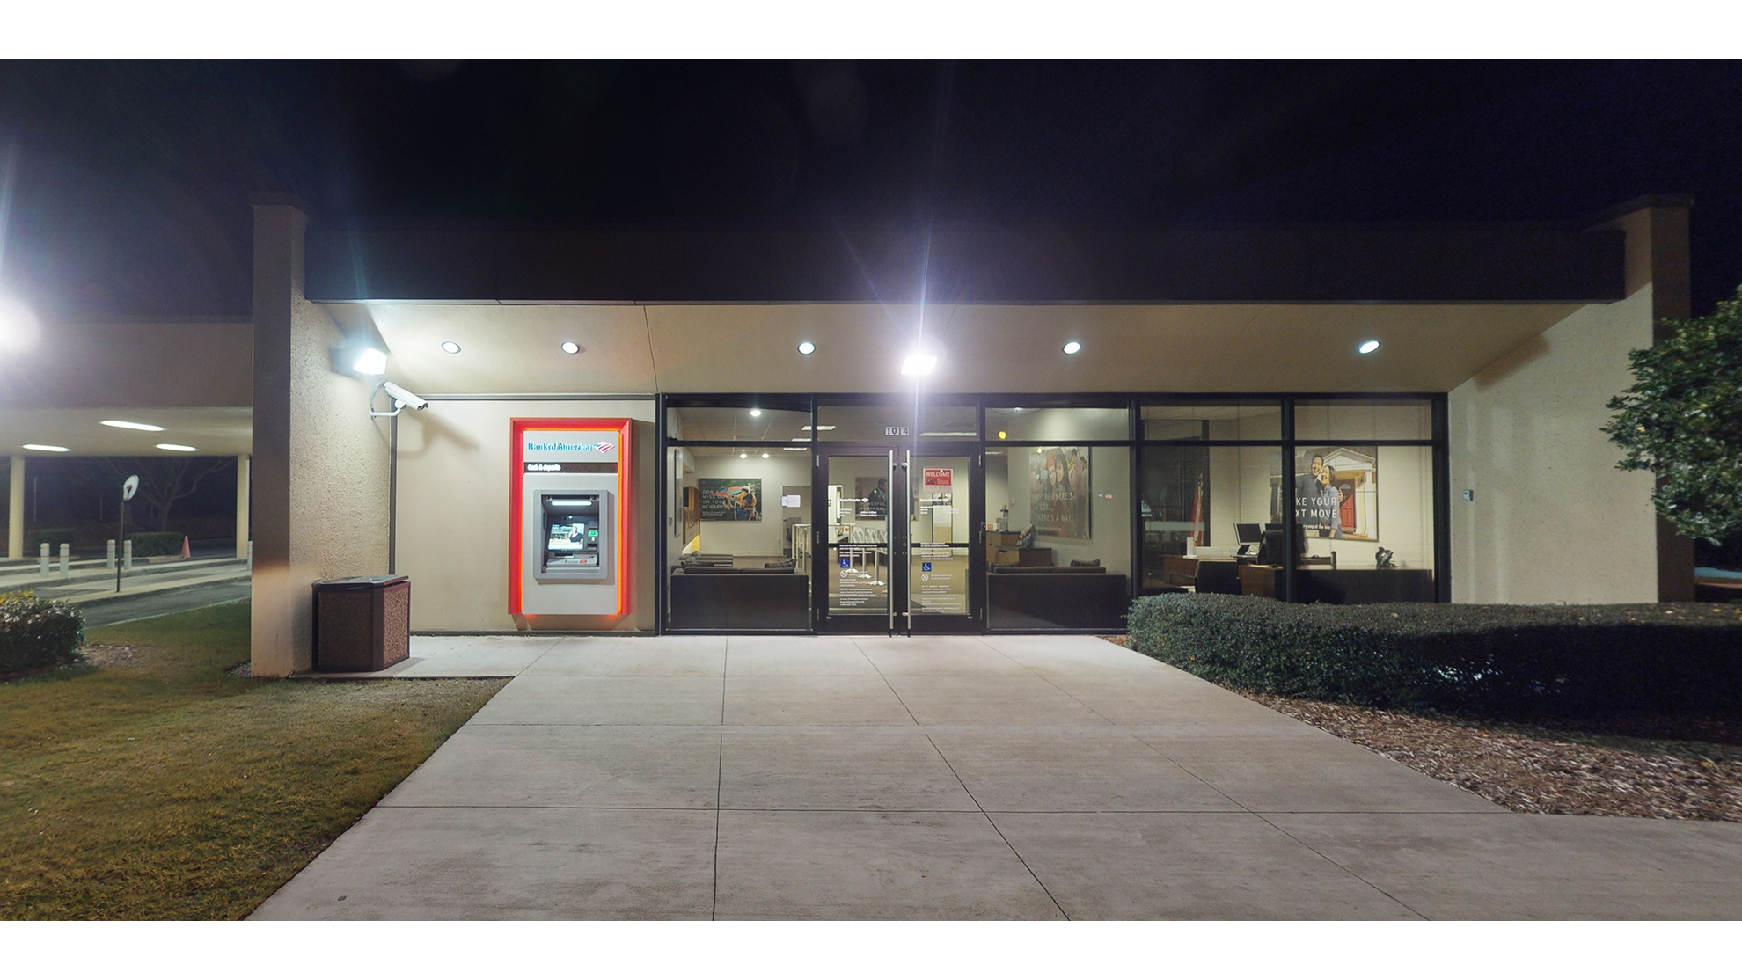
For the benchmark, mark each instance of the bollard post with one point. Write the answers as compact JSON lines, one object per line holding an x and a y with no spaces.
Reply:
{"x":109,"y":555}
{"x":127,"y":554}
{"x":42,"y":559}
{"x":66,"y":552}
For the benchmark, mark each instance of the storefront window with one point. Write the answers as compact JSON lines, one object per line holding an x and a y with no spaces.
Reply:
{"x":1366,"y":513}
{"x":1040,"y":422}
{"x":937,"y":418}
{"x":1213,"y":418}
{"x":1060,"y":553}
{"x":738,"y":423}
{"x":1204,"y":513}
{"x":738,"y":542}
{"x":1352,"y":419}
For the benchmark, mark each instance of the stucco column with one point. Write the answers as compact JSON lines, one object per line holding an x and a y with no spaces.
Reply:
{"x":15,"y":512}
{"x":241,"y":506}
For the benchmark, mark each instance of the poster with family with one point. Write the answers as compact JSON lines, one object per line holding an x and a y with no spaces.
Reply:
{"x":1058,"y":491}
{"x":1336,"y":491}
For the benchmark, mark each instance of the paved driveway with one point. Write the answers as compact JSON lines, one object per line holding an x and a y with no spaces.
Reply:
{"x":947,"y":778}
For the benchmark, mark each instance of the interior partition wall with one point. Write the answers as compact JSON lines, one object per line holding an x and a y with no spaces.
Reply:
{"x":1026,"y":513}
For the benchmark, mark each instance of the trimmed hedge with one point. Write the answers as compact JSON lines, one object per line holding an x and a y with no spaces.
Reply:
{"x":54,"y":537}
{"x":149,"y":544}
{"x":1484,"y":659}
{"x":38,"y":632}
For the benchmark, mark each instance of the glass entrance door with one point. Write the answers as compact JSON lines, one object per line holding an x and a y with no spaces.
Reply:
{"x":894,"y":533}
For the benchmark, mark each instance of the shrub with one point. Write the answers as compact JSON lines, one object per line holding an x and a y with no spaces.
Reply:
{"x":38,"y":632}
{"x":1453,"y":657}
{"x":147,"y":544}
{"x":54,"y":537}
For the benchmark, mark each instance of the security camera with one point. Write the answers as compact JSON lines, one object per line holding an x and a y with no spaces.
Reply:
{"x":403,"y":398}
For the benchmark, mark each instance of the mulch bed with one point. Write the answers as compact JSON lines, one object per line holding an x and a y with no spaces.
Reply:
{"x":1667,"y":767}
{"x":1671,"y":768}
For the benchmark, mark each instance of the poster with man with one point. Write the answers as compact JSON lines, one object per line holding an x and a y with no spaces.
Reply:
{"x":730,"y":500}
{"x":1336,"y":492}
{"x":1058,"y":491}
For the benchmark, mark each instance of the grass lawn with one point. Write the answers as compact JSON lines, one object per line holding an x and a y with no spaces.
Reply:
{"x":161,"y":786}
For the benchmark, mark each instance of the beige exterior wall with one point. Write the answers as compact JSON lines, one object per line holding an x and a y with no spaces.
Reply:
{"x":1553,"y":520}
{"x":452,"y":515}
{"x":320,"y":463}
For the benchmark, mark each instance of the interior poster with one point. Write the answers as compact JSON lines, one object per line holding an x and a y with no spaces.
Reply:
{"x":1058,"y":491}
{"x":1336,"y":491}
{"x":730,"y":500}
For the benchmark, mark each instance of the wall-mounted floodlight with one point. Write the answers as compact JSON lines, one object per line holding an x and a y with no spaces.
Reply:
{"x":176,"y":447}
{"x":19,"y":329}
{"x":806,"y":347}
{"x":141,"y":426}
{"x":1368,"y":347}
{"x":43,"y":448}
{"x":371,"y":361}
{"x":919,"y":364}
{"x":1072,"y":347}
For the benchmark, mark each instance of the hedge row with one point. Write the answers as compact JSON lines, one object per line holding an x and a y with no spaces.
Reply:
{"x":1455,"y":657}
{"x":147,"y":544}
{"x":38,"y":632}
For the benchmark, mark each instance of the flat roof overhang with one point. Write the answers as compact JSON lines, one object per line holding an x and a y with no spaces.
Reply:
{"x":997,"y":262}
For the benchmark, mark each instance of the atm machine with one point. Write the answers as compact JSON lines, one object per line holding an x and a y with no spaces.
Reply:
{"x":569,"y":533}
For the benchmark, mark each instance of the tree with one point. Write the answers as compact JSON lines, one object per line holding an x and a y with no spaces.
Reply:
{"x":164,"y":480}
{"x":1682,"y":420}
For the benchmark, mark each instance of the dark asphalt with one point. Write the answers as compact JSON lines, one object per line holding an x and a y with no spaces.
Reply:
{"x":158,"y":603}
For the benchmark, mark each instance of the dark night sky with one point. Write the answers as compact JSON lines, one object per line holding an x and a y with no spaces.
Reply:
{"x":132,"y":179}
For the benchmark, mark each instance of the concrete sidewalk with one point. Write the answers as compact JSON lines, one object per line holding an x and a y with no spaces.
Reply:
{"x":947,"y":778}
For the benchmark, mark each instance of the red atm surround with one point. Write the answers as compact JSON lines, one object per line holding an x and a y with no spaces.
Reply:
{"x":516,"y":474}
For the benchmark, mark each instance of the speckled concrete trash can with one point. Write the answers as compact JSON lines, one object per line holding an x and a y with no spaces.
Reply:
{"x":362,"y":623}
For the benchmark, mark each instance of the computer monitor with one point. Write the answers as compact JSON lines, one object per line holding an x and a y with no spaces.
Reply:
{"x":1248,"y":534}
{"x":1271,"y":552}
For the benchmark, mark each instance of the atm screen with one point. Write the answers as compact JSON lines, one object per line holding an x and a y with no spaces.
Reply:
{"x":572,"y":537}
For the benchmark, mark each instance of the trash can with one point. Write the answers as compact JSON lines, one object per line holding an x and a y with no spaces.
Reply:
{"x":362,"y":623}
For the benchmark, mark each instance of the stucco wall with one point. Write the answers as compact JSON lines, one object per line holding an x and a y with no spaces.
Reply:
{"x":1552,"y":519}
{"x":453,"y":510}
{"x":320,"y":463}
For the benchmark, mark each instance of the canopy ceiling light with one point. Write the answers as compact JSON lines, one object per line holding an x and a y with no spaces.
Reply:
{"x":141,"y":426}
{"x":570,"y":347}
{"x":1072,"y":347}
{"x":755,"y":412}
{"x":450,"y":347}
{"x":917,"y":364}
{"x":43,"y":448}
{"x":1368,"y":347}
{"x":806,"y":347}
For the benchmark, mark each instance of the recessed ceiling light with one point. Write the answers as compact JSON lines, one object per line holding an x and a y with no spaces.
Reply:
{"x":755,"y":412}
{"x":1000,"y":433}
{"x":1368,"y":347}
{"x":1016,"y":410}
{"x":141,"y":426}
{"x":919,"y":364}
{"x":570,"y":347}
{"x":450,"y":347}
{"x":764,"y":455}
{"x":743,"y":455}
{"x":1073,"y":347}
{"x":176,"y":447}
{"x":370,"y":361}
{"x":41,"y":448}
{"x":806,"y":347}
